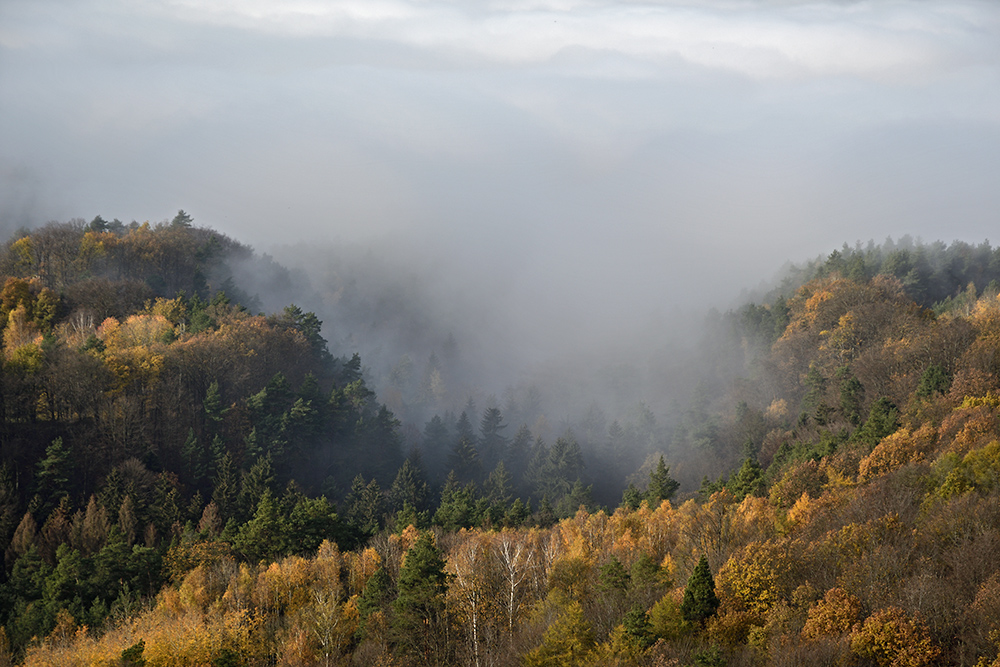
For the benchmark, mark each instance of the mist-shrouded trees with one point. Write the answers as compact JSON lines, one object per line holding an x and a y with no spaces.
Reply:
{"x":492,"y":442}
{"x":661,"y":485}
{"x":210,"y":479}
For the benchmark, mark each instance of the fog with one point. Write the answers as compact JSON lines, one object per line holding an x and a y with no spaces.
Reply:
{"x":544,"y":180}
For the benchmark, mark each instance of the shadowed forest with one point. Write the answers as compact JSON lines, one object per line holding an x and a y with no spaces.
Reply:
{"x":187,"y":480}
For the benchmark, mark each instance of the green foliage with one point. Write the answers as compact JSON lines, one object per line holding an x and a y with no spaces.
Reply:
{"x":709,"y":657}
{"x":631,"y":497}
{"x":376,"y":596}
{"x":747,"y":481}
{"x":851,"y":397}
{"x":517,"y":514}
{"x":265,"y":536}
{"x":934,"y":380}
{"x":638,"y":628}
{"x":613,"y":578}
{"x":661,"y":485}
{"x":132,"y":656}
{"x":458,"y":508}
{"x":700,"y":601}
{"x":364,"y":507}
{"x":54,"y":471}
{"x":979,"y":470}
{"x":883,"y":420}
{"x":419,"y":609}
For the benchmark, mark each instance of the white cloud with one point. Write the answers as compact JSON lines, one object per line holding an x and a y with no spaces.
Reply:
{"x":885,"y":41}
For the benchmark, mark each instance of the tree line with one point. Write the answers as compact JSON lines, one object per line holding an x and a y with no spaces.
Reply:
{"x":185,"y":482}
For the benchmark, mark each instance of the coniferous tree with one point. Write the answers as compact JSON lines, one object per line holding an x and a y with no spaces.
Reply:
{"x":661,"y":485}
{"x":851,"y":398}
{"x":700,"y":601}
{"x":492,"y":444}
{"x":518,"y":453}
{"x":193,"y":457}
{"x":883,"y":420}
{"x":632,"y":497}
{"x":226,"y":487}
{"x":364,"y":507}
{"x":464,"y":460}
{"x":53,"y":475}
{"x":497,"y":488}
{"x":419,"y":622}
{"x":933,"y":381}
{"x":408,"y":487}
{"x":375,"y":597}
{"x":747,"y":480}
{"x":214,"y":412}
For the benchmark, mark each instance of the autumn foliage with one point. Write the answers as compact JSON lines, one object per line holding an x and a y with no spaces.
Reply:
{"x":185,"y":482}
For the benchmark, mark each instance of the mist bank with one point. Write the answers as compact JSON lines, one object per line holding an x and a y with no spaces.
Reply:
{"x":502,"y":318}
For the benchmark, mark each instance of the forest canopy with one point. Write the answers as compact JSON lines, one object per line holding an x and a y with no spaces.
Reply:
{"x":185,"y":480}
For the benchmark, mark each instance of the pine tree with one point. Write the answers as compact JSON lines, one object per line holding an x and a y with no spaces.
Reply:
{"x":53,"y":475}
{"x":661,"y":485}
{"x":497,"y":487}
{"x":408,"y":487}
{"x":214,"y":412}
{"x":747,"y":480}
{"x":464,"y":460}
{"x":493,"y":444}
{"x":375,"y":596}
{"x":419,"y":620}
{"x":700,"y":601}
{"x":193,"y":457}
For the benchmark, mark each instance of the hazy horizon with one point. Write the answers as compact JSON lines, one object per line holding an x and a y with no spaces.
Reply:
{"x":576,"y":170}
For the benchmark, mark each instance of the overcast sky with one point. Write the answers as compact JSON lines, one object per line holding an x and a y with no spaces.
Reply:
{"x":598,"y":157}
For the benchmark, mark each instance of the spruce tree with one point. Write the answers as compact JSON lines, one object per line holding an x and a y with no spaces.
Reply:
{"x":700,"y":601}
{"x":661,"y":485}
{"x":419,"y":620}
{"x":375,"y":597}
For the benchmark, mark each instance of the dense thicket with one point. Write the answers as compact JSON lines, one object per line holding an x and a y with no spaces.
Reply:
{"x":184,"y":482}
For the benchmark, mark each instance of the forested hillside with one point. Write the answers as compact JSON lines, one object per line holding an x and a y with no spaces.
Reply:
{"x":186,"y":482}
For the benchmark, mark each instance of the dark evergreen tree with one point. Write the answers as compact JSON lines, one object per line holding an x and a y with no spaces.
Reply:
{"x":264,"y":537}
{"x":632,"y":497}
{"x":419,"y":622}
{"x":214,"y":412}
{"x":492,"y":444}
{"x":579,"y":495}
{"x":638,"y":629}
{"x":497,"y":488}
{"x":364,"y":508}
{"x":253,"y":485}
{"x":933,"y":381}
{"x":408,"y":487}
{"x":613,"y":578}
{"x":661,"y":485}
{"x":700,"y":601}
{"x":883,"y":420}
{"x":376,"y":596}
{"x":182,"y":219}
{"x":226,"y":487}
{"x":52,"y":476}
{"x":852,"y":396}
{"x":458,"y":508}
{"x":436,"y":445}
{"x":194,"y":458}
{"x":464,"y":460}
{"x":518,"y":454}
{"x":747,"y":481}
